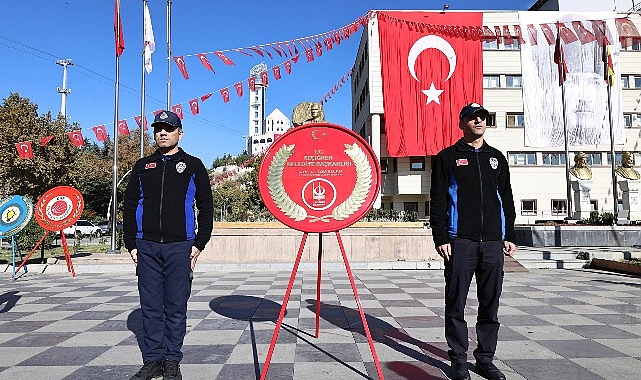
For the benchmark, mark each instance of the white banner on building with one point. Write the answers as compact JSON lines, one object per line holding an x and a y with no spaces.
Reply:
{"x":586,"y":97}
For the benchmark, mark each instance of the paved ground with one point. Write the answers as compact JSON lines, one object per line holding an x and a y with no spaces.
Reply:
{"x":556,"y":324}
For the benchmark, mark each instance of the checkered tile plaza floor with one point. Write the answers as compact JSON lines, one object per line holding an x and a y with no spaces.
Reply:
{"x":556,"y":324}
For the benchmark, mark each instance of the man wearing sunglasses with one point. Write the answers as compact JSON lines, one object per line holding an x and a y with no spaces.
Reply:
{"x":472,"y":218}
{"x":168,"y":192}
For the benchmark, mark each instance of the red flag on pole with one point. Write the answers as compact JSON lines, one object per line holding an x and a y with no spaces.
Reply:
{"x":180,"y":62}
{"x":24,"y":149}
{"x":100,"y":132}
{"x":120,"y":38}
{"x":76,"y":138}
{"x":425,"y":90}
{"x":193,"y":104}
{"x":123,"y":129}
{"x":559,"y":59}
{"x":205,"y":61}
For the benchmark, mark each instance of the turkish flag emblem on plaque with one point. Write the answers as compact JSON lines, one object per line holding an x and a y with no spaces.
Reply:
{"x":319,"y":177}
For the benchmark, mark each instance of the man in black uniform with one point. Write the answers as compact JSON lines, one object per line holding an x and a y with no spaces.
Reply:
{"x":472,"y":218}
{"x":160,"y":234}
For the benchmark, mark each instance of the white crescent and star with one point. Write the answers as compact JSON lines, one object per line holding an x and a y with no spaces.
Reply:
{"x":431,"y":42}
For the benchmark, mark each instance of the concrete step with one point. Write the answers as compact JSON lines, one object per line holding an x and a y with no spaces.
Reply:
{"x":546,"y":255}
{"x":554,"y":264}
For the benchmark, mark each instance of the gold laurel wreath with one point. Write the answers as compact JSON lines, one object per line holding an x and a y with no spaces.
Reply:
{"x":361,"y":187}
{"x":297,"y":212}
{"x":276,"y":187}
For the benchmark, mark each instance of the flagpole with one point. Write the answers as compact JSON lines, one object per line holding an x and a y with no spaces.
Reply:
{"x":608,"y":82}
{"x":142,"y":98}
{"x":114,"y":180}
{"x":168,"y":54}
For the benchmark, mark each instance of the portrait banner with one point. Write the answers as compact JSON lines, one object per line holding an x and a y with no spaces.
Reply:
{"x":319,"y":177}
{"x":582,"y":42}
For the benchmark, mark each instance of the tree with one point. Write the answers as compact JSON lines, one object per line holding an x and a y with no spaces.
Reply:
{"x":52,"y":165}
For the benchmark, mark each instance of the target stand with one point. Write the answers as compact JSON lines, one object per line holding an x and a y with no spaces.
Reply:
{"x":319,"y":178}
{"x":15,"y":213}
{"x":56,"y":210}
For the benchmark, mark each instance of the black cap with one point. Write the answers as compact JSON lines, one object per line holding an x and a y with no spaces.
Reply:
{"x":470,"y":109}
{"x":167,"y":117}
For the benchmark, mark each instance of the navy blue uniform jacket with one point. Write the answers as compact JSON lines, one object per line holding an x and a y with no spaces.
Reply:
{"x":160,"y":198}
{"x":471,"y":196}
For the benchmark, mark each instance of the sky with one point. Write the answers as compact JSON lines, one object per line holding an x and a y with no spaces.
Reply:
{"x":37,"y":33}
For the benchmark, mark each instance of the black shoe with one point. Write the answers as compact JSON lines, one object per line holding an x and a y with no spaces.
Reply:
{"x":172,"y":370}
{"x":459,"y":371}
{"x":151,"y":369}
{"x":489,"y":371}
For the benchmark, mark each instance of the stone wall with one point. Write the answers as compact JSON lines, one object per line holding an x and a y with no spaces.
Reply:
{"x":578,"y":236}
{"x":275,"y":243}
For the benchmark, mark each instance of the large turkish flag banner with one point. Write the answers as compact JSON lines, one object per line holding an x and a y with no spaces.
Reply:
{"x":431,"y":66}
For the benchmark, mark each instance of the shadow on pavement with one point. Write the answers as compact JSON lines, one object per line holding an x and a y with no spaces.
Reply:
{"x":9,"y":299}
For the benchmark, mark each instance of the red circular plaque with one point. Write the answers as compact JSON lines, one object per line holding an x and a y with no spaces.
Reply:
{"x":59,"y":208}
{"x":319,"y":177}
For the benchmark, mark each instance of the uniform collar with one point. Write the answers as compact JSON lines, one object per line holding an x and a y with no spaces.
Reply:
{"x":156,"y":156}
{"x":461,"y":145}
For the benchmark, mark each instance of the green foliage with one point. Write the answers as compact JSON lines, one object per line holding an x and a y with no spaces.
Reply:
{"x":228,"y":159}
{"x":30,"y":235}
{"x":381,"y":215}
{"x":604,"y":219}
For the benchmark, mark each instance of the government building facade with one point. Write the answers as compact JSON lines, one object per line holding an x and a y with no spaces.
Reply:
{"x":539,"y":175}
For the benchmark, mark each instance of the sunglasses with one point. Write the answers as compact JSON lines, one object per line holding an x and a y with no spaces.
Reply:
{"x":166,"y":127}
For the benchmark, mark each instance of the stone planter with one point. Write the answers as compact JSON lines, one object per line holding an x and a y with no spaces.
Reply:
{"x":574,"y":235}
{"x":615,"y":266}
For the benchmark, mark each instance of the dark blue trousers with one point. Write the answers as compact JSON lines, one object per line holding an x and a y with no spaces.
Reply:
{"x":485,"y":260}
{"x":164,"y":285}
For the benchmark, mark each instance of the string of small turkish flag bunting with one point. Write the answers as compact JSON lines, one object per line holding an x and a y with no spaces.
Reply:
{"x":338,"y":84}
{"x":313,"y":46}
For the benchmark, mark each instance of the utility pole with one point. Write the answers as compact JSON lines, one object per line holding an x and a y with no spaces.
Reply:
{"x":64,"y":90}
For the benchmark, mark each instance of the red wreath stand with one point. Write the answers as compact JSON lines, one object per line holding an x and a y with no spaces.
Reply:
{"x":319,"y":178}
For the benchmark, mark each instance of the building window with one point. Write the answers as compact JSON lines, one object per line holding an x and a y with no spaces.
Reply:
{"x":553,"y":159}
{"x":521,"y":158}
{"x":632,"y":120}
{"x":410,"y":207}
{"x":559,"y":207}
{"x":637,"y":81}
{"x":515,"y":120}
{"x":491,"y":81}
{"x":513,"y":46}
{"x":618,"y":159}
{"x":427,"y":208}
{"x":384,"y":165}
{"x":394,"y":165}
{"x":528,"y":207}
{"x":269,"y":139}
{"x":256,"y":114}
{"x":627,"y":120}
{"x":255,"y":130}
{"x":490,"y":44}
{"x":625,"y":81}
{"x":594,"y":158}
{"x":513,"y":81}
{"x":491,"y":120}
{"x":594,"y":205}
{"x":417,"y":164}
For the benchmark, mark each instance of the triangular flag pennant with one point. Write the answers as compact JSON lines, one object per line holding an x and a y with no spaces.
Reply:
{"x":100,"y":132}
{"x":205,"y":62}
{"x":76,"y":138}
{"x":45,"y":140}
{"x":239,"y":89}
{"x":180,"y":62}
{"x":123,"y":129}
{"x":24,"y":149}
{"x":193,"y":104}
{"x":139,"y":122}
{"x":224,"y":58}
{"x":178,"y":110}
{"x":225,"y":94}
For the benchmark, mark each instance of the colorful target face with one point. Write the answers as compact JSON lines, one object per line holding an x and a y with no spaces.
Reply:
{"x":15,"y":213}
{"x":319,"y":177}
{"x":59,"y":208}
